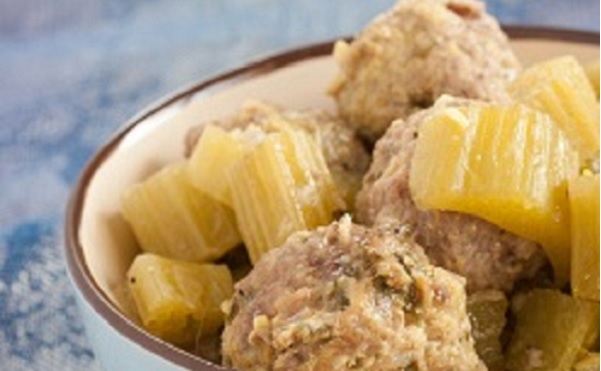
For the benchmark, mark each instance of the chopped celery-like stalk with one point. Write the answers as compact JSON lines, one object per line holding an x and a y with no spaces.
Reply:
{"x":179,"y":301}
{"x":551,"y":330}
{"x":264,"y":199}
{"x":172,"y":218}
{"x":560,"y":87}
{"x":592,"y":72}
{"x":583,"y":193}
{"x":487,"y":313}
{"x":508,"y":165}
{"x":214,"y":153}
{"x":282,"y":186}
{"x":316,"y":192}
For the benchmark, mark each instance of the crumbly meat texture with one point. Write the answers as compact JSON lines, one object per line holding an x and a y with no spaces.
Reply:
{"x":488,"y":256}
{"x":345,"y":155}
{"x":347,"y":297}
{"x":420,"y":49}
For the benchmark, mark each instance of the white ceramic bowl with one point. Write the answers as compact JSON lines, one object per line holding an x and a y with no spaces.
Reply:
{"x":99,"y":245}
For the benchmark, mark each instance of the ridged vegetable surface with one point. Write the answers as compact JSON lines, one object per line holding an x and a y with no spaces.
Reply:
{"x":282,"y":186}
{"x":172,"y":218}
{"x":179,"y":301}
{"x":560,"y":88}
{"x":506,"y":164}
{"x":551,"y":331}
{"x":584,"y":213}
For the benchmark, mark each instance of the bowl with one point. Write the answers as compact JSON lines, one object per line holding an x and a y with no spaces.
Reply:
{"x":99,"y":245}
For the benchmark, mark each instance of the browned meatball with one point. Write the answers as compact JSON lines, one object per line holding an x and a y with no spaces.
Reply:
{"x":420,"y":49}
{"x":348,"y":297}
{"x":488,"y":256}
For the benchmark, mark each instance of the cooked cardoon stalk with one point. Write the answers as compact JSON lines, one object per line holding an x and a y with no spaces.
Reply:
{"x":316,"y":192}
{"x":508,"y":165}
{"x":216,"y":151}
{"x":592,"y":72}
{"x":172,"y":218}
{"x":560,"y":87}
{"x":551,"y":330}
{"x":487,"y":312}
{"x":263,"y":198}
{"x":179,"y":301}
{"x":584,"y":214}
{"x":282,"y":186}
{"x":213,"y":154}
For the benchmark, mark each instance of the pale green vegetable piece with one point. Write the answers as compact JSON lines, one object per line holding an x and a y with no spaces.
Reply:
{"x":551,"y":330}
{"x":487,"y":313}
{"x":282,"y":186}
{"x":560,"y":87}
{"x":508,"y":165}
{"x":214,"y":153}
{"x":584,"y":216}
{"x":592,"y":72}
{"x":172,"y":218}
{"x":179,"y":301}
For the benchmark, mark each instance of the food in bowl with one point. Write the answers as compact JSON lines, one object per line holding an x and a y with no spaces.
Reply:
{"x":346,"y":296}
{"x":283,"y":189}
{"x":489,"y":256}
{"x":409,"y":56}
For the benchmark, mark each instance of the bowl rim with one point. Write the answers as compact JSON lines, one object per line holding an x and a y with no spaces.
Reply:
{"x":77,"y":268}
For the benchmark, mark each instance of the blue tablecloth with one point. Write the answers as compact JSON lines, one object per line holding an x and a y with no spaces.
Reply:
{"x":72,"y":71}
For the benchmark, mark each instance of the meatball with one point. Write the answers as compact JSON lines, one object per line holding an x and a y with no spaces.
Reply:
{"x":406,"y":58}
{"x":488,"y":256}
{"x":348,"y":297}
{"x":344,"y":154}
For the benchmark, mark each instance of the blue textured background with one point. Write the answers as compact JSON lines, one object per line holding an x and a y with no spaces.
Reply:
{"x":72,"y":71}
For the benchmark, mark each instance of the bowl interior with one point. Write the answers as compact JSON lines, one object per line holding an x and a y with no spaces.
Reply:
{"x":106,"y":245}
